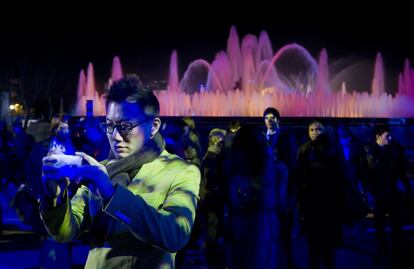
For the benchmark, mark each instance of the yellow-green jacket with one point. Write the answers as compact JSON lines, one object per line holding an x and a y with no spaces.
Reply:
{"x":145,"y":223}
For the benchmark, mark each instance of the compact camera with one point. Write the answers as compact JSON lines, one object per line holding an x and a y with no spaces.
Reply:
{"x":59,"y":160}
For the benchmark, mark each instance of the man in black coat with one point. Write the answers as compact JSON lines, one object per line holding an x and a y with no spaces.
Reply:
{"x":283,"y":148}
{"x":386,"y":165}
{"x":319,"y":196}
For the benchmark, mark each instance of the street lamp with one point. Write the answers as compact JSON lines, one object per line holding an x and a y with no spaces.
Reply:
{"x":16,"y":107}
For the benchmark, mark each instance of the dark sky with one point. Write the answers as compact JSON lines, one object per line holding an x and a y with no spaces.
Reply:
{"x":144,"y":37}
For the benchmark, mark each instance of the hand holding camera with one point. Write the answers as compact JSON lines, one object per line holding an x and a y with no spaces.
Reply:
{"x":56,"y":173}
{"x":59,"y":170}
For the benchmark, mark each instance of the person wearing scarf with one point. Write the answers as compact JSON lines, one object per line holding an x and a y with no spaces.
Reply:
{"x":138,"y":205}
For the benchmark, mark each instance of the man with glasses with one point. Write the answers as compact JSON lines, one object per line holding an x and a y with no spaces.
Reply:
{"x":138,"y":205}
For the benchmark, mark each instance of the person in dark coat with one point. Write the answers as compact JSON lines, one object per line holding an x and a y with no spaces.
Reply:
{"x":386,"y":166}
{"x":352,"y":160}
{"x":319,"y":196}
{"x":283,"y":149}
{"x":212,"y":197}
{"x":252,"y":230}
{"x":21,"y":145}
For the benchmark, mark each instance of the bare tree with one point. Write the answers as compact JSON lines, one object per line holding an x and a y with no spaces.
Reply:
{"x":36,"y":83}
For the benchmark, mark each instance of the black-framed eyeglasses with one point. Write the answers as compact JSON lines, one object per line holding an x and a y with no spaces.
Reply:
{"x":123,"y":127}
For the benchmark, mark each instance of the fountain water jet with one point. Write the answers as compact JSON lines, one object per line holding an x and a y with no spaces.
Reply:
{"x":247,"y":78}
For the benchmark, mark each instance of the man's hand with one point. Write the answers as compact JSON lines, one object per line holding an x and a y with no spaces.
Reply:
{"x":55,"y":180}
{"x":96,"y":174}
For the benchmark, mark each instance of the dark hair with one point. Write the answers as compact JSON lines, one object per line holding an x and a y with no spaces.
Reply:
{"x":316,"y":122}
{"x":271,"y":110}
{"x":131,"y":90}
{"x":380,"y":129}
{"x":234,"y":124}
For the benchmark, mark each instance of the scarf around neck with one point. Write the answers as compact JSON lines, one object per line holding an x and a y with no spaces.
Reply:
{"x":123,"y":170}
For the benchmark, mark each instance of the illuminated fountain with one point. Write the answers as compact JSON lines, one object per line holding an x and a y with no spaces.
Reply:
{"x":87,"y":89}
{"x":247,"y":78}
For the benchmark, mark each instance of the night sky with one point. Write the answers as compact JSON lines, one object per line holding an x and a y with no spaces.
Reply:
{"x":144,"y":45}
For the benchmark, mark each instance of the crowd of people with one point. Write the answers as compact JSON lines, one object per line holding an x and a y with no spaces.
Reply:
{"x":149,"y":189}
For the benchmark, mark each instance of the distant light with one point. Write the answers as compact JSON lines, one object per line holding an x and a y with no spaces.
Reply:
{"x":11,"y":107}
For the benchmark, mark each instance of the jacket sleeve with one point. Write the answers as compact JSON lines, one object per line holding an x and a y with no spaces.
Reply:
{"x":65,"y":222}
{"x":167,"y":227}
